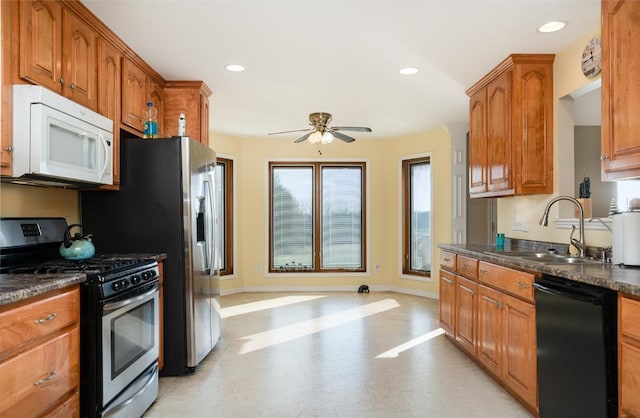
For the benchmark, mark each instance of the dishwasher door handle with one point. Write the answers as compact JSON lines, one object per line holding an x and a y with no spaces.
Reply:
{"x":569,"y":293}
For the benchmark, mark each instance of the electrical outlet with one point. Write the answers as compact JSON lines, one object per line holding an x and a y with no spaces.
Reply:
{"x":257,"y":266}
{"x":377,"y":267}
{"x":519,"y":224}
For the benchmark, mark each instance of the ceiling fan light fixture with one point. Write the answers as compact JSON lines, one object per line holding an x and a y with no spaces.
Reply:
{"x":315,"y":137}
{"x":552,"y":26}
{"x":327,"y":138}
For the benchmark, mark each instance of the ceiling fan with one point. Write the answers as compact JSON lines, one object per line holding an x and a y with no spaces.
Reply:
{"x":321,"y":133}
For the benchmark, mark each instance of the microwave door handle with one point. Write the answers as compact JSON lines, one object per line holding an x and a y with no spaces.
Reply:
{"x":107,"y":153}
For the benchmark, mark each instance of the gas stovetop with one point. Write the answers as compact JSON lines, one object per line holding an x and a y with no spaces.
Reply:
{"x":96,"y":265}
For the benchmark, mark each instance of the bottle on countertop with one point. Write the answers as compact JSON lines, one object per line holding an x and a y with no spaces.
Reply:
{"x":182,"y":125}
{"x":151,"y":121}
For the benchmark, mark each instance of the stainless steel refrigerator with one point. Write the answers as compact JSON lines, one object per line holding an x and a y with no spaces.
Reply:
{"x":166,"y":204}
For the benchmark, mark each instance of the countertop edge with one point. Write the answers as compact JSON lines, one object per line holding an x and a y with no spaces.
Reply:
{"x":19,"y":287}
{"x":620,"y":279}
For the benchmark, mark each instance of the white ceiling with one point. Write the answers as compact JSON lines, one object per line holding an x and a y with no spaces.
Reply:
{"x":339,"y":56}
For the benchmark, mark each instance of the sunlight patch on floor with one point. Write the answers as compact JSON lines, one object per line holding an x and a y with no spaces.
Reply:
{"x":395,"y":351}
{"x":264,"y":304}
{"x":291,"y":332}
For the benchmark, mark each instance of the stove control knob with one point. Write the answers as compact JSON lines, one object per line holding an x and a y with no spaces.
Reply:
{"x":152,"y":273}
{"x":116,"y":286}
{"x":124,"y":283}
{"x":135,"y":279}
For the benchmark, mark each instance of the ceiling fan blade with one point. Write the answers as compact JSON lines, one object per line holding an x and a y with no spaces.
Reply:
{"x":351,"y":128}
{"x":302,"y":138}
{"x":288,"y":132}
{"x":344,"y":137}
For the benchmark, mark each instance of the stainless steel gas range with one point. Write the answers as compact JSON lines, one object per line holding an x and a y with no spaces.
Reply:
{"x":119,"y":317}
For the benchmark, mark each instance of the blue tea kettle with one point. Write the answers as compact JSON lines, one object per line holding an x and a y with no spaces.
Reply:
{"x":77,"y":247}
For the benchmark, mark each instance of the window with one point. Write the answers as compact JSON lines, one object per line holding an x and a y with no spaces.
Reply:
{"x":224,"y":214}
{"x":416,"y":217}
{"x":317,"y":217}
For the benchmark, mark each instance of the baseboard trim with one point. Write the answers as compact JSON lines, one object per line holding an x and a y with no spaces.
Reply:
{"x":354,"y":289}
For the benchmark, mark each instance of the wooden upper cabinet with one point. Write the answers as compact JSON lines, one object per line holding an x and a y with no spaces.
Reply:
{"x":192,"y":99}
{"x":620,"y":89}
{"x":58,"y":51}
{"x":511,"y":128}
{"x":79,"y":51}
{"x":41,"y":43}
{"x":134,"y":95}
{"x":109,"y":92}
{"x":138,"y":88}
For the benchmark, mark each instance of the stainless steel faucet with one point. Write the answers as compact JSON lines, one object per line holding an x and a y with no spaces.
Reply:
{"x":544,"y":221}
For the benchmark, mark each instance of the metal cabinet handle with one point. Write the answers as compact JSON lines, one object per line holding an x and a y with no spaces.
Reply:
{"x":447,"y":260}
{"x":604,"y":157}
{"x":473,"y":292}
{"x":45,"y":379}
{"x":495,"y":302}
{"x":9,"y":148}
{"x":73,"y":85}
{"x":47,"y":319}
{"x":444,"y":279}
{"x":522,"y":285}
{"x":484,"y":271}
{"x":61,"y":80}
{"x":466,"y":266}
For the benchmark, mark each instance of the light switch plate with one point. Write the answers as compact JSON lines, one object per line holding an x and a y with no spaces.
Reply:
{"x":519,"y":224}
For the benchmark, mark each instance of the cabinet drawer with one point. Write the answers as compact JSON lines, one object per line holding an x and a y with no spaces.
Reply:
{"x":70,"y":408}
{"x":630,"y":317}
{"x":518,"y":283}
{"x":35,"y":381}
{"x":448,"y":260}
{"x":466,"y":266}
{"x":33,"y":319}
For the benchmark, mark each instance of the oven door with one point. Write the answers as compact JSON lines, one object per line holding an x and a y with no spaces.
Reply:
{"x":130,"y":341}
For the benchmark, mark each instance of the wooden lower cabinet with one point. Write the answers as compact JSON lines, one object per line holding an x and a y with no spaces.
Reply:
{"x":466,"y":318}
{"x":40,"y":360}
{"x":447,"y":301}
{"x":629,"y":357}
{"x":494,"y":322}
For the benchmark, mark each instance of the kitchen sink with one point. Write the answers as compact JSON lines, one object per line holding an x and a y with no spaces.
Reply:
{"x":545,"y":257}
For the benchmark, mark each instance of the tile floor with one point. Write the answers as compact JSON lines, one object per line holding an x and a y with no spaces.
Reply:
{"x":333,"y":354}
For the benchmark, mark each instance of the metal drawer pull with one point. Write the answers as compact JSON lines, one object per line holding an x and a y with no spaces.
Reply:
{"x":46,"y":379}
{"x":447,"y":260}
{"x":466,"y":266}
{"x":47,"y":319}
{"x":522,"y":285}
{"x":444,"y":279}
{"x":498,"y":304}
{"x":484,"y":271}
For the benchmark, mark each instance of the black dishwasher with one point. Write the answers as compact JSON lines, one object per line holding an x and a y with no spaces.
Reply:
{"x":577,"y":349}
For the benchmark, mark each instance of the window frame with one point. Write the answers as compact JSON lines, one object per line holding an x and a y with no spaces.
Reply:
{"x":228,"y":221}
{"x":317,"y":214}
{"x":406,"y":164}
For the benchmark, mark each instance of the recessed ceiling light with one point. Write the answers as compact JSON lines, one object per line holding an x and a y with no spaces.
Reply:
{"x":236,"y":68}
{"x":553,"y":26}
{"x":409,"y":71}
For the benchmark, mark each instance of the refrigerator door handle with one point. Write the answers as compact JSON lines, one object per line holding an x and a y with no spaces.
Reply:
{"x":210,"y":225}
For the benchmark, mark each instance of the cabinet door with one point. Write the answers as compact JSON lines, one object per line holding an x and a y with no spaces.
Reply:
{"x":466,"y":318}
{"x":447,"y":301}
{"x":478,"y":142}
{"x":620,"y":89}
{"x":629,"y":382}
{"x":79,"y":60}
{"x":204,"y":119}
{"x":499,"y":117}
{"x":109,"y":92}
{"x":134,"y":93}
{"x":490,"y":309}
{"x":41,"y":43}
{"x":155,"y":95}
{"x":519,"y":347}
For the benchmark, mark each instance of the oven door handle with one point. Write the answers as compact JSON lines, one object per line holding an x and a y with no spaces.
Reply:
{"x":117,"y":305}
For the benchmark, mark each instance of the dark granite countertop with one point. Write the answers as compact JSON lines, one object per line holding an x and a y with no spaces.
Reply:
{"x":17,"y":287}
{"x":621,"y":279}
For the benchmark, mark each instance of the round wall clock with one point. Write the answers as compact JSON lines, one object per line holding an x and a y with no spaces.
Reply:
{"x":592,"y":58}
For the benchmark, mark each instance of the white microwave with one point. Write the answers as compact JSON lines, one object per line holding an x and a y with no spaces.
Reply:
{"x":57,"y":142}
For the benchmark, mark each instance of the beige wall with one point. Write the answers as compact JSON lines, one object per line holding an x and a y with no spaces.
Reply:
{"x":25,"y":201}
{"x":568,"y":78}
{"x":383,"y":157}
